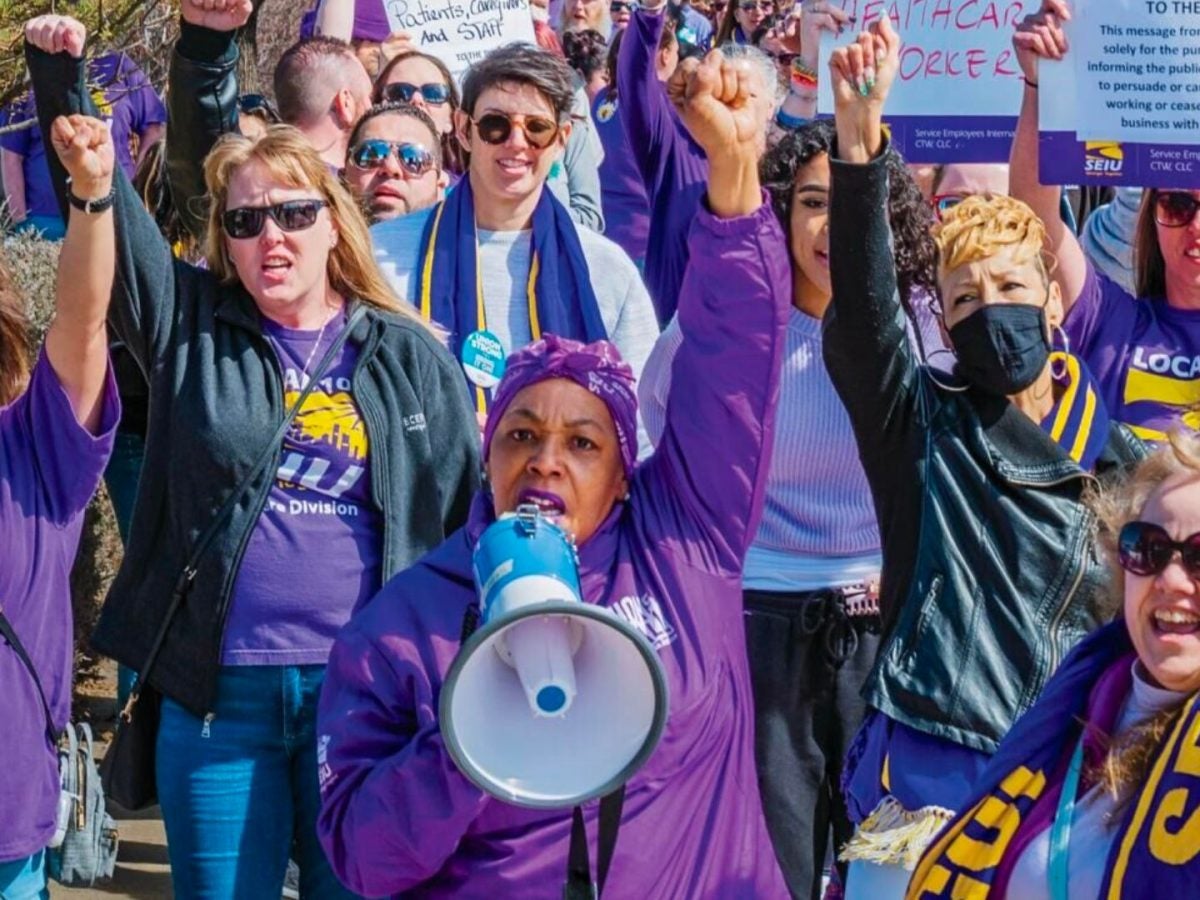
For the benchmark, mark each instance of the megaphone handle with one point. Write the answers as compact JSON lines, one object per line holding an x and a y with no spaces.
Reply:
{"x":579,"y":884}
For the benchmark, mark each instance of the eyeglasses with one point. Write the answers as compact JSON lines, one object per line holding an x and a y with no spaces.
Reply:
{"x":495,"y":128}
{"x":291,"y":215}
{"x":374,"y":152}
{"x":1174,"y":209}
{"x":257,"y":105}
{"x":403,"y":92}
{"x":943,"y":203}
{"x":621,"y":6}
{"x":1144,"y":548}
{"x":748,"y":5}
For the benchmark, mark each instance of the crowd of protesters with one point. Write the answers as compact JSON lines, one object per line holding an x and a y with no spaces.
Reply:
{"x":871,"y":445}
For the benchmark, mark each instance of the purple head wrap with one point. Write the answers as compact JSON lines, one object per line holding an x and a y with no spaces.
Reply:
{"x":598,"y":367}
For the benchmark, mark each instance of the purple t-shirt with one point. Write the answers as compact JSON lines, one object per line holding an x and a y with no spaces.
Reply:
{"x":126,"y":101}
{"x":622,"y":192}
{"x":315,"y":553}
{"x":49,"y":468}
{"x":1144,"y":353}
{"x":370,"y":21}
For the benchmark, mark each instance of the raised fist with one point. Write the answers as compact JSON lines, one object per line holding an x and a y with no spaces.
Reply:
{"x":217,"y":15}
{"x":85,"y":147}
{"x":862,"y":72}
{"x":718,"y":100}
{"x":56,"y":34}
{"x":1041,"y":36}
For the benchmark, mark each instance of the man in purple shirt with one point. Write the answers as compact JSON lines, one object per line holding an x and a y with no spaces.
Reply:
{"x":130,"y":106}
{"x":661,"y":545}
{"x":55,"y":438}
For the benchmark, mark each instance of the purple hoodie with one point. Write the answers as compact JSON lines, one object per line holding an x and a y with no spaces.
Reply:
{"x":674,"y":168}
{"x":397,"y":814}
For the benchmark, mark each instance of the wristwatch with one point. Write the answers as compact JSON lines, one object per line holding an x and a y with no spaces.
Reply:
{"x":92,"y":206}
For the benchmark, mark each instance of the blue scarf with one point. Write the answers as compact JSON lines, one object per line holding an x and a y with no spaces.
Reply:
{"x":1155,"y":852}
{"x":559,"y":290}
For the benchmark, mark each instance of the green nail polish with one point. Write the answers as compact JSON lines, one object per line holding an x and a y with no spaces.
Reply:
{"x":863,"y":89}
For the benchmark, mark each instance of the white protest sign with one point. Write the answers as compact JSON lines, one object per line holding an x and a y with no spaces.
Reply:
{"x":959,"y":86}
{"x":460,"y":32}
{"x":1137,"y":70}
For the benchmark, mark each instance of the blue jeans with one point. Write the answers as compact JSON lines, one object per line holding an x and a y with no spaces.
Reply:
{"x":241,"y":795}
{"x":24,"y":879}
{"x":121,"y":477}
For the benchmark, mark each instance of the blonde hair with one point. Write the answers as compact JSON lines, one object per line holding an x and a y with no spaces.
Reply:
{"x":1129,"y":756}
{"x":984,"y":224}
{"x":14,"y":339}
{"x":291,"y":159}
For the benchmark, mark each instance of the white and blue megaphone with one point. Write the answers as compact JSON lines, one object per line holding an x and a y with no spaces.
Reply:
{"x":552,"y":701}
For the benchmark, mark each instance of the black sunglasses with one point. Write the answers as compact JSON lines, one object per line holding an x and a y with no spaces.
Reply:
{"x":495,"y":128}
{"x":257,"y":105}
{"x":1174,"y":209}
{"x":374,"y":152}
{"x":620,"y":6}
{"x":403,"y":92}
{"x":291,"y":215}
{"x":1144,"y":548}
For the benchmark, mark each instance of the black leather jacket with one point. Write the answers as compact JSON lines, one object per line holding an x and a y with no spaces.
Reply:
{"x":989,"y":570}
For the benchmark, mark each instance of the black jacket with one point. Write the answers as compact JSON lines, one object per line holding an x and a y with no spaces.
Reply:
{"x":990,"y":574}
{"x":216,"y":396}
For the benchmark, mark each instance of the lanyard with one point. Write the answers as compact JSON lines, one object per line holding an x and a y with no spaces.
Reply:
{"x":1060,"y":831}
{"x":535,"y":325}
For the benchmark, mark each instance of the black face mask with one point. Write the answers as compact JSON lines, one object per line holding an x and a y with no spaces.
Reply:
{"x":1002,"y":348}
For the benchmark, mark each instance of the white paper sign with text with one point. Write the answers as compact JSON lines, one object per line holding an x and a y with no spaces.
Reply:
{"x":460,"y":32}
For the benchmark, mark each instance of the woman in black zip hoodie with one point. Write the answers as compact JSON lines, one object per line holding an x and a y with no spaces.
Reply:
{"x":989,"y":574}
{"x":378,"y":466}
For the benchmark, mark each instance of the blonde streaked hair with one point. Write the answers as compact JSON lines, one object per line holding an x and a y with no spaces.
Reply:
{"x":14,"y":339}
{"x":291,"y":159}
{"x":984,"y":224}
{"x":1129,"y":756}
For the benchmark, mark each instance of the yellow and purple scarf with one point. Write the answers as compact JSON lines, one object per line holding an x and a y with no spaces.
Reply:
{"x":1156,"y":851}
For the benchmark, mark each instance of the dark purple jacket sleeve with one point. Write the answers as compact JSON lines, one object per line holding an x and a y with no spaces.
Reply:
{"x":645,"y":110}
{"x":394,"y":805}
{"x":705,"y":481}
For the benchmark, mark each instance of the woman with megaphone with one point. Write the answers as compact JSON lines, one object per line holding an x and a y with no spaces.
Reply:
{"x":660,"y":550}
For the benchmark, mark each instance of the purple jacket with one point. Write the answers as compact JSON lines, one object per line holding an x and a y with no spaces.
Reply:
{"x":398,"y":815}
{"x":674,"y":168}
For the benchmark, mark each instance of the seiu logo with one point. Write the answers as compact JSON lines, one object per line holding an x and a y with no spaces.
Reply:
{"x":1104,"y":158}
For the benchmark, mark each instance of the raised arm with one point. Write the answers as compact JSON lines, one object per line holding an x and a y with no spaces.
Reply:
{"x":335,"y":19}
{"x":1041,"y":36}
{"x":708,"y":474}
{"x":865,"y":344}
{"x":143,"y":305}
{"x":202,"y":95}
{"x":77,"y":342}
{"x":393,"y":803}
{"x":643,"y":105}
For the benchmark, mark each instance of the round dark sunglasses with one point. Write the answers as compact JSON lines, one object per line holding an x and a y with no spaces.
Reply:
{"x":257,"y":105}
{"x":1144,"y":548}
{"x":403,"y":92}
{"x":374,"y":152}
{"x":291,"y":215}
{"x":1174,"y":209}
{"x":495,"y":128}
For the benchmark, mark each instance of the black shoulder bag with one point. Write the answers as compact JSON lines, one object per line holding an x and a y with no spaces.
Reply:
{"x":129,"y":765}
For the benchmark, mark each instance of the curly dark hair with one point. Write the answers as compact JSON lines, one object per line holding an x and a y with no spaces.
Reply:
{"x":586,"y":52}
{"x":908,"y":213}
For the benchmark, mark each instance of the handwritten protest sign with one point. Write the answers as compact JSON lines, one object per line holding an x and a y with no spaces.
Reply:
{"x":460,"y":32}
{"x":958,"y":89}
{"x":1109,"y":117}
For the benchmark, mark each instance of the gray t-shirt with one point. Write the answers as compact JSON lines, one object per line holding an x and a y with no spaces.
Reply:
{"x":504,"y":260}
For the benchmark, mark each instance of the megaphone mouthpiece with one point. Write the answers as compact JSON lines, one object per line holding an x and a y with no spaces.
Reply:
{"x":540,"y":649}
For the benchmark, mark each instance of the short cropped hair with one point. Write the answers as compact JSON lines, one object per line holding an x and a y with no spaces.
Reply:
{"x":406,"y":110}
{"x":982,"y":225}
{"x":308,"y":75}
{"x":522,"y":64}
